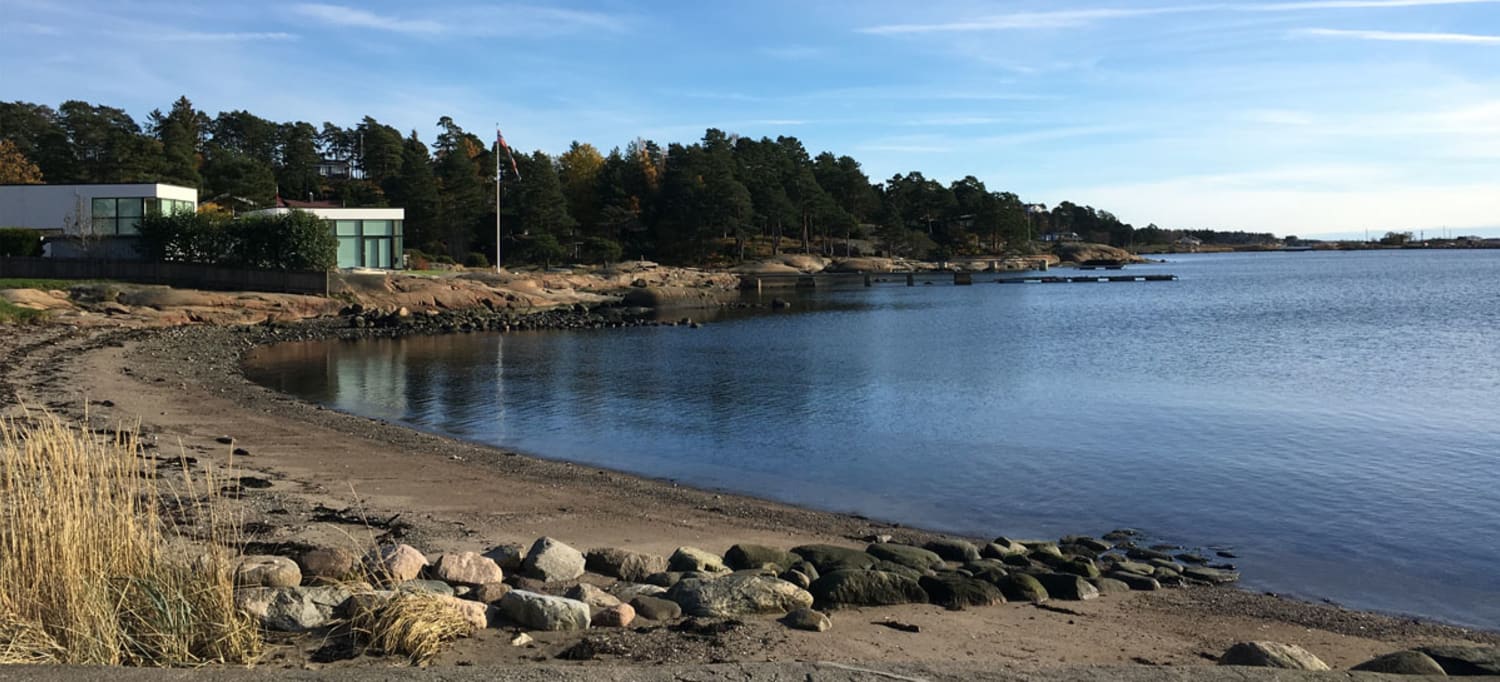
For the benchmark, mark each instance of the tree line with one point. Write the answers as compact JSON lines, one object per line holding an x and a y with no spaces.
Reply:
{"x":720,"y":199}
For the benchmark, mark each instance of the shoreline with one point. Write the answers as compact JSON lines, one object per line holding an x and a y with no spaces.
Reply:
{"x":186,"y":385}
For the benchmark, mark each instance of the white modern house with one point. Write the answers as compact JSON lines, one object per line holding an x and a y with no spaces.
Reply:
{"x":100,"y":221}
{"x":368,"y":237}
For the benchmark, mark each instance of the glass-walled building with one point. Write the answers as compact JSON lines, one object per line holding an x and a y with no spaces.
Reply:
{"x":91,"y":221}
{"x":368,"y":237}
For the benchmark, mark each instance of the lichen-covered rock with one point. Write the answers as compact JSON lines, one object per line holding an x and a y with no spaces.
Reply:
{"x":266,"y":571}
{"x":395,"y":563}
{"x":1080,"y":566}
{"x":290,"y":609}
{"x":1023,"y":587}
{"x":1136,"y":581}
{"x":866,"y":588}
{"x":739,"y":595}
{"x":1403,"y":663}
{"x":1109,"y":585}
{"x":466,"y":568}
{"x":690,"y":559}
{"x":543,"y":611}
{"x":1271,"y":655}
{"x":829,"y":558}
{"x":552,"y":561}
{"x":1210,"y":575}
{"x":808,"y":619}
{"x":954,"y":550}
{"x":624,"y":564}
{"x":956,"y":592}
{"x":906,"y":555}
{"x":743,"y":556}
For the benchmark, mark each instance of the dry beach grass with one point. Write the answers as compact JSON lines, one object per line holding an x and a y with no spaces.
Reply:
{"x":90,"y":572}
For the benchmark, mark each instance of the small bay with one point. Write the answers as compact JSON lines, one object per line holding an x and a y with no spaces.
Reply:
{"x":1332,"y":419}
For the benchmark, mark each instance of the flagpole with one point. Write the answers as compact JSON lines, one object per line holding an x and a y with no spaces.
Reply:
{"x":497,"y":199}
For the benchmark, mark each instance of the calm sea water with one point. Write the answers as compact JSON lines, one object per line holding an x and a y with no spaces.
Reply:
{"x":1331,"y":418}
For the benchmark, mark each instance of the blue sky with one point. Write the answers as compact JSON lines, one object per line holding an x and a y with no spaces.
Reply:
{"x":1290,"y":116}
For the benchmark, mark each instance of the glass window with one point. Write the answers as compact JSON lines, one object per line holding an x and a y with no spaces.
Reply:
{"x":372,"y":253}
{"x":130,"y":208}
{"x":384,"y":260}
{"x":129,"y":226}
{"x":346,"y":228}
{"x":349,"y":252}
{"x":104,"y":208}
{"x":104,"y":226}
{"x":377,"y":227}
{"x":398,"y":229}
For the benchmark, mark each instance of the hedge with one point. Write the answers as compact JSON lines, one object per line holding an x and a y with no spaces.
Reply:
{"x":289,"y":241}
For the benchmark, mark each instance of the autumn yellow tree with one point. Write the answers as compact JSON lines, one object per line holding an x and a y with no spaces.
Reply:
{"x":15,"y":168}
{"x":578,"y":171}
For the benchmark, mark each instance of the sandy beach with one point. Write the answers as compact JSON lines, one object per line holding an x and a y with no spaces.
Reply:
{"x":316,"y":472}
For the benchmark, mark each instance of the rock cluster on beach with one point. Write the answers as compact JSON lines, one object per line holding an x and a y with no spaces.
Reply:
{"x":553,"y":586}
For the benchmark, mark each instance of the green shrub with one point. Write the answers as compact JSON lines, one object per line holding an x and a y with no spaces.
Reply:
{"x":290,"y":241}
{"x":476,"y":259}
{"x":19,"y":241}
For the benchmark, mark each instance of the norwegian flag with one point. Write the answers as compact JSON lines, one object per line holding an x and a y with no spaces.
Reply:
{"x":500,"y":142}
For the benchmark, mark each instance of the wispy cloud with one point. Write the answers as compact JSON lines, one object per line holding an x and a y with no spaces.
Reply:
{"x":211,"y":37}
{"x":340,"y":15}
{"x":1401,"y":37}
{"x":1071,"y":18}
{"x":477,"y":20}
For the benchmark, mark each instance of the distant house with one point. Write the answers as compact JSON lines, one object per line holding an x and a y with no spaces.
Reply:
{"x":91,"y":221}
{"x":1061,"y":237}
{"x":368,"y":237}
{"x":335,"y":169}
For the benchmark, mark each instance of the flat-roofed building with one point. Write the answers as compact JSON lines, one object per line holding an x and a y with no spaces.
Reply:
{"x":98,"y":221}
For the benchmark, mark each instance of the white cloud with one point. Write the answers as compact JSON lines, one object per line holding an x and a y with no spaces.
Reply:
{"x":208,"y":37}
{"x":1401,"y":37}
{"x":1071,"y":18}
{"x":340,"y":15}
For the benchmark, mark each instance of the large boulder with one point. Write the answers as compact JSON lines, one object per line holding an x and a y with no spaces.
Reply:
{"x":466,"y":568}
{"x":543,"y":611}
{"x":906,"y":555}
{"x":829,"y":558}
{"x":866,"y":588}
{"x":739,"y":595}
{"x":1023,"y":587}
{"x":266,"y":571}
{"x":956,"y":592}
{"x":690,"y":559}
{"x":1403,"y":663}
{"x":954,"y":550}
{"x":328,"y":564}
{"x":1109,"y":585}
{"x":624,"y":564}
{"x":1271,"y":655}
{"x":656,"y":608}
{"x":1135,"y":581}
{"x":395,"y":563}
{"x":1067,"y":586}
{"x":290,"y":609}
{"x":742,"y":556}
{"x":617,"y":616}
{"x":552,"y":561}
{"x":1465,"y":659}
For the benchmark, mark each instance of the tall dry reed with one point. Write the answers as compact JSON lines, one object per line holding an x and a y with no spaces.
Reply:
{"x":91,"y":573}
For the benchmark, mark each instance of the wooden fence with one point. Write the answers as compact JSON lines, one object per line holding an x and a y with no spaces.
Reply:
{"x":184,"y":275}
